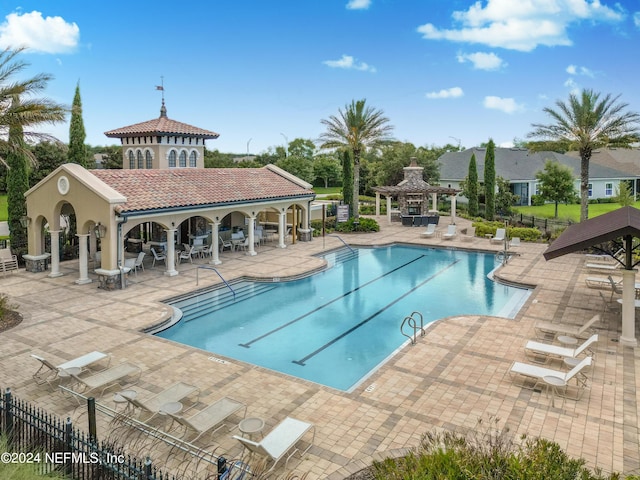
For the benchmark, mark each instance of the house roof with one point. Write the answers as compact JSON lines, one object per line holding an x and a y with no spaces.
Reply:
{"x":624,"y":159}
{"x":162,"y":125}
{"x":191,"y":187}
{"x":517,"y":164}
{"x":623,"y":222}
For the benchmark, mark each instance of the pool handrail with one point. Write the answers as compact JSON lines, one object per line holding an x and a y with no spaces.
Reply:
{"x":411,"y":321}
{"x":221,"y":278}
{"x":340,"y":238}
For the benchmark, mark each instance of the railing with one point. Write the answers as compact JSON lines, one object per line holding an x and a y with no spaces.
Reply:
{"x":221,"y":278}
{"x":345,"y":243}
{"x":412,"y":323}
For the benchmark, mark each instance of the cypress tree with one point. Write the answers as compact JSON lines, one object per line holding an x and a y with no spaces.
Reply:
{"x":347,"y":179}
{"x":17,"y":184}
{"x":472,"y":186}
{"x":78,"y":152}
{"x":490,"y":180}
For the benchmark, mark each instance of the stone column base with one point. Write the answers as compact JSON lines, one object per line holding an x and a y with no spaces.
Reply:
{"x":37,"y":263}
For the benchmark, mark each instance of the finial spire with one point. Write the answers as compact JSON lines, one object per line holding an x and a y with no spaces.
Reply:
{"x":163,"y":109}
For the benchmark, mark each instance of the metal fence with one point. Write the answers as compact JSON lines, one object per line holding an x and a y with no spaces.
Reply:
{"x":544,"y":224}
{"x":35,"y":436}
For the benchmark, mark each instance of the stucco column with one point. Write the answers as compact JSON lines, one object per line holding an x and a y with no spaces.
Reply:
{"x":628,"y":337}
{"x":252,"y":234}
{"x":434,"y":202}
{"x":55,"y":254}
{"x":83,"y":259}
{"x":453,"y":209}
{"x":215,"y":240}
{"x":377,"y":204}
{"x":282,"y":228}
{"x":171,"y":253}
{"x":389,"y":209}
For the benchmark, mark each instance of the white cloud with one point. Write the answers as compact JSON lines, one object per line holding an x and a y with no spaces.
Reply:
{"x":453,"y":92}
{"x":44,"y":35}
{"x":575,"y":70}
{"x":358,"y":4}
{"x":573,"y":86}
{"x":482,"y":61}
{"x":349,"y":63}
{"x":636,"y":19}
{"x":506,"y":105}
{"x":521,"y":25}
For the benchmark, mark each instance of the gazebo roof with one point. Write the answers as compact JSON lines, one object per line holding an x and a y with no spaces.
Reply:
{"x":414,"y":184}
{"x":623,"y":222}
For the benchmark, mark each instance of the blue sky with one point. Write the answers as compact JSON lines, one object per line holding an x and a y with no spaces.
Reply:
{"x":260,"y":72}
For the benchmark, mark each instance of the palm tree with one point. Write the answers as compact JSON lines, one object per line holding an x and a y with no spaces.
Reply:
{"x":356,"y":129}
{"x":585,"y":123}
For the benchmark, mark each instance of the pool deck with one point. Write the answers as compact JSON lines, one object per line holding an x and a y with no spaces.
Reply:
{"x":454,"y":376}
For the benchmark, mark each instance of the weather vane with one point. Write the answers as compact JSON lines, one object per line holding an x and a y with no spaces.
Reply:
{"x":161,"y":87}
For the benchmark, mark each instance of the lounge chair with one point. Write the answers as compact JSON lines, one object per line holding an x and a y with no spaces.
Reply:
{"x":451,"y":232}
{"x":210,"y":418}
{"x":470,"y":235}
{"x":514,"y":242}
{"x":548,"y":351}
{"x":430,"y":231}
{"x":152,"y":406}
{"x":279,"y":441}
{"x":106,"y":378}
{"x":157,"y":257}
{"x":500,"y":235}
{"x":600,"y":282}
{"x":603,"y":267}
{"x":532,"y":375}
{"x":49,"y":373}
{"x":604,"y":257}
{"x":547,"y":329}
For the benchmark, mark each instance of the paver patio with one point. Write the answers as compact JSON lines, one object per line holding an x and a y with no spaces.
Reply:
{"x":454,"y":376}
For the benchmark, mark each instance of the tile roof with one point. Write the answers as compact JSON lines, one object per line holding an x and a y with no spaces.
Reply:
{"x":161,"y":126}
{"x":191,"y":187}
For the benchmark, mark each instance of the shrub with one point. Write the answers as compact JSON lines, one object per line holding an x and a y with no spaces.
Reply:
{"x":525,"y":234}
{"x":364,"y":225}
{"x":537,"y":200}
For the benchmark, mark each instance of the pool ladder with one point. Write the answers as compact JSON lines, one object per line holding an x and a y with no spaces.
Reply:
{"x":411,"y":323}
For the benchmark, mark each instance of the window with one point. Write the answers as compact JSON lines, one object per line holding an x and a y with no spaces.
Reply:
{"x":139,"y":157}
{"x":172,"y":159}
{"x":192,"y":159}
{"x":608,"y":189}
{"x":590,"y":189}
{"x":183,"y":159}
{"x":149,"y":163}
{"x":132,"y":160}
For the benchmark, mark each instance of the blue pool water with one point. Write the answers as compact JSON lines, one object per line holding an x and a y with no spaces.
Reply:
{"x":336,"y":327}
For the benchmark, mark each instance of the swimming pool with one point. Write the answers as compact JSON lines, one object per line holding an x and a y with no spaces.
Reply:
{"x":338,"y":326}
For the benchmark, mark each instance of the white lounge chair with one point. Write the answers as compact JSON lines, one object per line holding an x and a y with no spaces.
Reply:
{"x":470,"y":235}
{"x":106,"y":378}
{"x":600,"y":282}
{"x":451,"y":232}
{"x":152,"y":406}
{"x":279,"y":441}
{"x":210,"y":419}
{"x":157,"y":257}
{"x":514,"y":242}
{"x":430,"y":231}
{"x":49,"y":373}
{"x":548,"y":351}
{"x":603,"y":257}
{"x":603,"y":267}
{"x":500,"y":235}
{"x":532,"y":375}
{"x":547,"y":329}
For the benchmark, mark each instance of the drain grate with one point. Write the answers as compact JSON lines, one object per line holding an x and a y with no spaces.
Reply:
{"x":218,"y":360}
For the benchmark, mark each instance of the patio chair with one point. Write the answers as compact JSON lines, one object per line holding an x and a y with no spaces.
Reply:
{"x":600,"y":282}
{"x":609,"y":306}
{"x":615,"y":288}
{"x":187,"y":254}
{"x":279,"y":441}
{"x":546,"y":351}
{"x":430,"y":231}
{"x":532,"y":375}
{"x":106,"y":378}
{"x":152,"y":406}
{"x":500,"y":235}
{"x":547,"y":329}
{"x":451,"y":232}
{"x":210,"y":419}
{"x":225,"y":244}
{"x":157,"y":257}
{"x":49,"y":373}
{"x":135,"y":263}
{"x":470,"y":235}
{"x":8,"y":261}
{"x":514,"y":242}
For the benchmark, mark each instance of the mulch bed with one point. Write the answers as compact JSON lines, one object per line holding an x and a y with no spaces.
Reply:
{"x":10,"y":319}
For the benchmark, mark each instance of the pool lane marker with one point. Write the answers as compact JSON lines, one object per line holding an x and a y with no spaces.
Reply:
{"x":371,"y":317}
{"x":248,"y":344}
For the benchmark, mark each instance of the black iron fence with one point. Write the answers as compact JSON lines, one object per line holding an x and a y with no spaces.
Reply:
{"x":35,"y":436}
{"x":543,"y":224}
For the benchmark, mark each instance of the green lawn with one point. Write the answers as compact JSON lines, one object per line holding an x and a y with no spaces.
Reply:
{"x":4,"y":215}
{"x":569,"y":212}
{"x":327,"y":191}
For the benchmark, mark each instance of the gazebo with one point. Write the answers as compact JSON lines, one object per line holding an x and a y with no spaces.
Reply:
{"x":624,"y":224}
{"x":413,"y":195}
